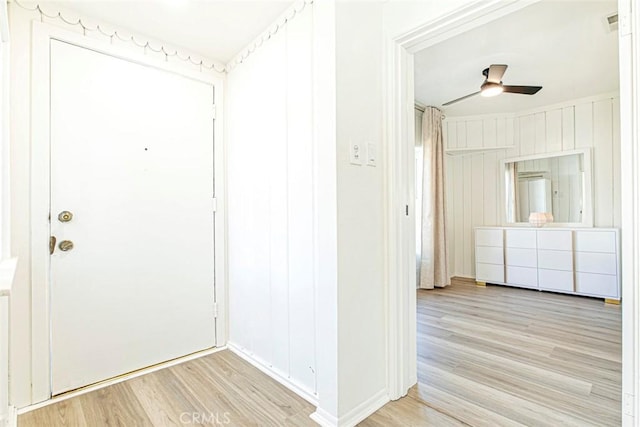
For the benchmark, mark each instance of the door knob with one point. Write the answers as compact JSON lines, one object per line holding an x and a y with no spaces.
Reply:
{"x":52,"y":244}
{"x":65,"y":216}
{"x":66,"y":245}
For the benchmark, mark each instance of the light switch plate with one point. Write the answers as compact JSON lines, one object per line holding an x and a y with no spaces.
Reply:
{"x":372,"y":155}
{"x":356,"y":153}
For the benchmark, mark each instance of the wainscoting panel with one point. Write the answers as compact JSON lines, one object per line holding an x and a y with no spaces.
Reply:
{"x":271,"y":245}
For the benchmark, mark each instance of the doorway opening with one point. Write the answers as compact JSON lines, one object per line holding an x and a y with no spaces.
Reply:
{"x":507,"y":348}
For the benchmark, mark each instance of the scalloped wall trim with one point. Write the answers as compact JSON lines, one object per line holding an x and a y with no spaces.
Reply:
{"x":280,"y":23}
{"x":158,"y":47}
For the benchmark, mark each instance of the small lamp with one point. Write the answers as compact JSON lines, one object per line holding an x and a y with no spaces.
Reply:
{"x":538,"y":219}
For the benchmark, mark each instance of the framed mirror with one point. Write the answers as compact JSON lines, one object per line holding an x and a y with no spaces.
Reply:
{"x":558,"y":185}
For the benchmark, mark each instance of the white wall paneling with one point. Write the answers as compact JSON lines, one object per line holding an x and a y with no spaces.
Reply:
{"x":302,"y":218}
{"x":476,"y":185}
{"x":271,"y":206}
{"x":553,"y":130}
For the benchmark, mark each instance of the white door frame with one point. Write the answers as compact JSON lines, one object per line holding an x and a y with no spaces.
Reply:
{"x":40,"y":190}
{"x":399,"y":187}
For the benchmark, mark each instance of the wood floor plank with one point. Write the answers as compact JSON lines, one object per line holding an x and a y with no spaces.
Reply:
{"x":482,"y":360}
{"x":66,"y":413}
{"x":462,"y":410}
{"x":115,"y":405}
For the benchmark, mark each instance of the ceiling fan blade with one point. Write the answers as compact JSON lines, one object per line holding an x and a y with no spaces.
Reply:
{"x":460,"y":99}
{"x":523,"y":90}
{"x":496,"y":71}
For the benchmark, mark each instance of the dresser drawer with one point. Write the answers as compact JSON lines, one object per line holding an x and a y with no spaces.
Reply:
{"x":489,"y":237}
{"x":555,"y":260}
{"x":522,"y":276}
{"x":555,"y":280}
{"x":603,"y":285}
{"x":592,"y":262}
{"x":521,"y":257}
{"x":561,"y":240}
{"x":489,"y":255}
{"x":521,"y":239}
{"x":596,"y":241}
{"x":491,"y":273}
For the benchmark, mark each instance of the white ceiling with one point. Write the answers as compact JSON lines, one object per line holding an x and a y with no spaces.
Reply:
{"x":564,"y":46}
{"x":215,"y":29}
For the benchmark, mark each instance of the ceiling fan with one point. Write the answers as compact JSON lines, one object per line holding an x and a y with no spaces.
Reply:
{"x":493,"y":86}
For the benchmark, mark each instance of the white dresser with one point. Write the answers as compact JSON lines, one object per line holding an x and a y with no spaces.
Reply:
{"x":584,"y":261}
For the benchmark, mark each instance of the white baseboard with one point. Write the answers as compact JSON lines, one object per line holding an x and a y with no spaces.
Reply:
{"x":354,"y":416}
{"x":363,"y":410}
{"x":324,"y":418}
{"x":119,"y":379}
{"x":262,"y":366}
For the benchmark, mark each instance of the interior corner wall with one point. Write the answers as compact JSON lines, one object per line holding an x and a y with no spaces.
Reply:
{"x":21,"y":346}
{"x":475,"y":183}
{"x":362,"y":292}
{"x":282,"y":209}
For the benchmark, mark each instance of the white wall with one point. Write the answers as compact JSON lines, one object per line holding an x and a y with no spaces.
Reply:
{"x":282,"y":228}
{"x":22,"y":347}
{"x":272,"y":210}
{"x":362,"y":351}
{"x":475,"y":183}
{"x":285,"y":299}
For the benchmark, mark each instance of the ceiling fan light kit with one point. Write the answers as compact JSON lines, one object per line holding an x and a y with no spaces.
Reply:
{"x":493,"y":86}
{"x":489,"y":89}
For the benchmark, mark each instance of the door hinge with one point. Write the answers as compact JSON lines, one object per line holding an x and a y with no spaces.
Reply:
{"x":215,"y":310}
{"x":406,"y":210}
{"x":214,"y":204}
{"x":213,"y":111}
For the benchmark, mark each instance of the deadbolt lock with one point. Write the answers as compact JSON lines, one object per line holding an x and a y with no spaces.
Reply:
{"x":66,"y":245}
{"x":65,"y":216}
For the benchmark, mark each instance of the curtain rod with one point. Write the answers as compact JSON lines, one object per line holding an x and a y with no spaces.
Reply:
{"x":421,"y":109}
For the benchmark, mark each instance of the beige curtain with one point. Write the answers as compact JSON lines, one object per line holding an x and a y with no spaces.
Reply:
{"x":434,"y":271}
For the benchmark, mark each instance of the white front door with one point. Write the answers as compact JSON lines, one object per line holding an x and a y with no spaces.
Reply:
{"x":132,"y":162}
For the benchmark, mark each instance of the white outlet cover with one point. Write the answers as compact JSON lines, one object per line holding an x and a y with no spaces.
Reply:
{"x":356,"y":153}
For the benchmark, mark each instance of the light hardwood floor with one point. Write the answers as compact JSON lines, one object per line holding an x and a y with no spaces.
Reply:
{"x":491,"y":356}
{"x":219,"y":389}
{"x":499,"y":356}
